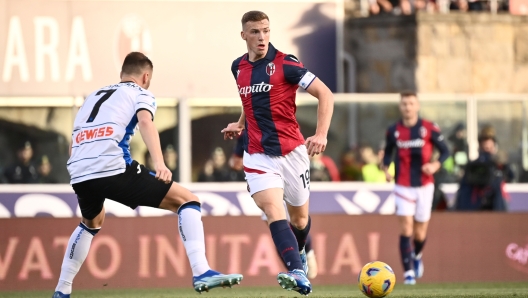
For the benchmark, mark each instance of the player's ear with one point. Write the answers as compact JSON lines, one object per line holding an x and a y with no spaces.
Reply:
{"x":243,"y":35}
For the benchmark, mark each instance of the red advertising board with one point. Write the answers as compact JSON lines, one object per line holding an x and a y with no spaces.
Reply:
{"x":147,"y":252}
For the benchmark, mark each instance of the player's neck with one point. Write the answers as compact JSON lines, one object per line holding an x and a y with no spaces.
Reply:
{"x":410,"y":122}
{"x":129,"y":79}
{"x":253,"y":57}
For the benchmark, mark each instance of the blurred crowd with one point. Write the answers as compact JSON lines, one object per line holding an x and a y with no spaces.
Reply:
{"x":27,"y":168}
{"x":407,"y":7}
{"x":358,"y":164}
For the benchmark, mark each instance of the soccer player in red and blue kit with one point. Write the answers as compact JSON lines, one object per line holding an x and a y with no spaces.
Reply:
{"x":414,"y":139}
{"x":276,"y":160}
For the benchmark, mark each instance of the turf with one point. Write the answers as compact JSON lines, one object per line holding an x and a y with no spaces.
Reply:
{"x":496,"y":290}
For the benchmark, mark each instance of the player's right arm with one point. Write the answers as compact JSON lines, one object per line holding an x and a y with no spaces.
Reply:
{"x":234,"y":129}
{"x":390,"y":143}
{"x":150,"y":136}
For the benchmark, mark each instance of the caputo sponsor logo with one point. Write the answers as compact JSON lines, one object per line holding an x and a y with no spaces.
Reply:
{"x":255,"y":88}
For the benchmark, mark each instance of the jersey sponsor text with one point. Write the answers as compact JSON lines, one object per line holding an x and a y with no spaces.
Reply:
{"x":416,"y":143}
{"x":94,"y":133}
{"x":256,"y":88}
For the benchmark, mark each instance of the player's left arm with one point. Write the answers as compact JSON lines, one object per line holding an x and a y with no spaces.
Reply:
{"x":234,"y":129}
{"x":145,"y":109}
{"x":439,"y":142}
{"x":296,"y":73}
{"x":317,"y":143}
{"x":150,"y":136}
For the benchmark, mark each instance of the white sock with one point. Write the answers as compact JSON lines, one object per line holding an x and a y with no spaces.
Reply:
{"x":75,"y":254}
{"x":192,"y":234}
{"x":409,"y":273}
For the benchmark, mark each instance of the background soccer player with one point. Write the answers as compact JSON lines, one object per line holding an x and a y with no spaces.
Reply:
{"x":276,"y":159}
{"x":100,"y":167}
{"x":414,"y":139}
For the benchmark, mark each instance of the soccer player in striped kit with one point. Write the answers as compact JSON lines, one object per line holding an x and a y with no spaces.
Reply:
{"x":276,"y":160}
{"x":414,"y":139}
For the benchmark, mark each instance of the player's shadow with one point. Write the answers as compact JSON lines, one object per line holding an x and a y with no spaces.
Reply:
{"x":317,"y":47}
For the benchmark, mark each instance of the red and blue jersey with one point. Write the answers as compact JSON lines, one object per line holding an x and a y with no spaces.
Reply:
{"x":267,"y":88}
{"x":414,"y":148}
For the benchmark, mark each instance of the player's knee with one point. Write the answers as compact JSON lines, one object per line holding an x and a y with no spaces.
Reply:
{"x":407,"y":230}
{"x":93,"y":219}
{"x":95,"y":223}
{"x":173,"y":203}
{"x":299,"y":221}
{"x":419,"y":236}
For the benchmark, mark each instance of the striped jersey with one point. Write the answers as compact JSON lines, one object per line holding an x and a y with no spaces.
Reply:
{"x":267,"y":88}
{"x":103,"y":128}
{"x":414,"y":148}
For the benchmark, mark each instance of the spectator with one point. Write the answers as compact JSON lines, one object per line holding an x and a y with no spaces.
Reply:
{"x":372,"y":170}
{"x":236,"y":163}
{"x":461,"y":5}
{"x":148,"y":160}
{"x":380,"y":6}
{"x":318,"y":170}
{"x":215,"y":169}
{"x":323,"y":168}
{"x":440,"y":201}
{"x":490,"y":146}
{"x":206,"y":175}
{"x":23,"y":170}
{"x":170,"y":156}
{"x":458,"y":138}
{"x":350,"y":167}
{"x":44,"y":171}
{"x":459,"y":156}
{"x":482,"y":186}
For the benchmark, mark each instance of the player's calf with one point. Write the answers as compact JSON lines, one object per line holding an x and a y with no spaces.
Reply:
{"x":192,"y":235}
{"x":76,"y":252}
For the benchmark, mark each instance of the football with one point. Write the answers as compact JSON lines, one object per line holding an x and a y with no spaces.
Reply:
{"x":376,"y":279}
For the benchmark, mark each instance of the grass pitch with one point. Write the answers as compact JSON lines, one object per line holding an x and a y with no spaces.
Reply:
{"x":495,"y":290}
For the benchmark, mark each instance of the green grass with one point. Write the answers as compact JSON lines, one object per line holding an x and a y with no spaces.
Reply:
{"x":496,"y":290}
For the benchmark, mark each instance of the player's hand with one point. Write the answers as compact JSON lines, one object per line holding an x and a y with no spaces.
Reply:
{"x":163,"y":173}
{"x":388,"y":176}
{"x":315,"y":144}
{"x":431,"y":167}
{"x":232,"y":130}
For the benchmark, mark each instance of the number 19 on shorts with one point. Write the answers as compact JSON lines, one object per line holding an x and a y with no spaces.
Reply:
{"x":306,"y":178}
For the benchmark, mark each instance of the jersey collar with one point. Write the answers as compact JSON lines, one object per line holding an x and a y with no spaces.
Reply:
{"x":270,"y":55}
{"x":418,"y":123}
{"x":272,"y":52}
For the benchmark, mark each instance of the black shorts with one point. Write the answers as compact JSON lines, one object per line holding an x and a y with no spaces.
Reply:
{"x":137,"y":186}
